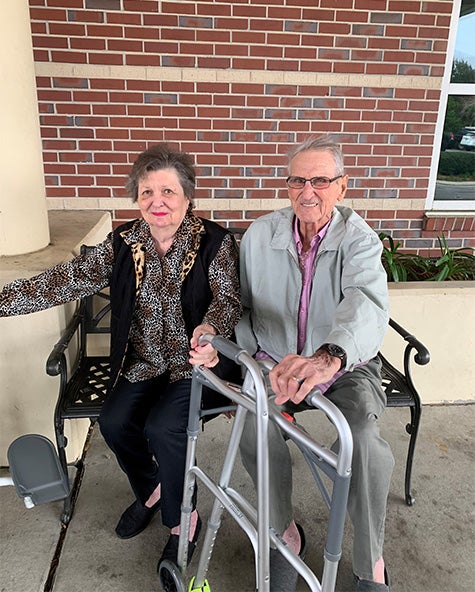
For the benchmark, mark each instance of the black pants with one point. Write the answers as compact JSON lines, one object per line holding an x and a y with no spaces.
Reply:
{"x":144,"y":424}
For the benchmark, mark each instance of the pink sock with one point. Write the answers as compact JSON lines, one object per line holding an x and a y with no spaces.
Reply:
{"x":378,"y":571}
{"x":292,"y":537}
{"x":193,"y":522}
{"x":153,"y":499}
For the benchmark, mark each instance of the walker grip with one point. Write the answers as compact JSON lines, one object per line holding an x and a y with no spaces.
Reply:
{"x":223,"y":346}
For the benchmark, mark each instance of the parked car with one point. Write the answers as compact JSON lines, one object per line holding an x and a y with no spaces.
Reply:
{"x":451,"y":140}
{"x":468,"y":140}
{"x":447,"y":141}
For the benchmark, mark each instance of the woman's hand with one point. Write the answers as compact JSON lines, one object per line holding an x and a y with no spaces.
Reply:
{"x":203,"y":355}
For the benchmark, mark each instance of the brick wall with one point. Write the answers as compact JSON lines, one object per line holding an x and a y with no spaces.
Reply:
{"x":236,"y":83}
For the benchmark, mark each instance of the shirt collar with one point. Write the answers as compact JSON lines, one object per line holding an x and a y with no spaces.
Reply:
{"x":316,"y":240}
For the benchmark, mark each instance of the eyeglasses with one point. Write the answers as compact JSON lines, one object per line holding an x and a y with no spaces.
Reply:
{"x":315,"y":182}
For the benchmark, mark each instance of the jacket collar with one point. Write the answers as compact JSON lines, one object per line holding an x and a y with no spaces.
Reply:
{"x":283,"y":234}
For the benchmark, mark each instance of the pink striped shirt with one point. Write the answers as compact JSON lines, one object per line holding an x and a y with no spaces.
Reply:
{"x":307,"y":263}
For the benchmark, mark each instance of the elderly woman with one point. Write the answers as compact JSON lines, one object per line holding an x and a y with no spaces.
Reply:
{"x":172,"y":277}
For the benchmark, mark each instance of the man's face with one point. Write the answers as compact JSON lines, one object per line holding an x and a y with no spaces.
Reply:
{"x":314,"y":207}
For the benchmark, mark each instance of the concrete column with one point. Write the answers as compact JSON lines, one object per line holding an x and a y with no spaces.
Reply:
{"x":23,"y":212}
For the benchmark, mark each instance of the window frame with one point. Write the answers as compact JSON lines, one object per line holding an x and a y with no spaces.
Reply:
{"x":447,"y":88}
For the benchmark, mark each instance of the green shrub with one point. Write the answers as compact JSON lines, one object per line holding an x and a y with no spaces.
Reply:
{"x":457,"y":163}
{"x":452,"y":264}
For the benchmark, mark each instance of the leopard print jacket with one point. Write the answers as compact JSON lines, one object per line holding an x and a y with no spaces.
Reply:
{"x":158,"y":338}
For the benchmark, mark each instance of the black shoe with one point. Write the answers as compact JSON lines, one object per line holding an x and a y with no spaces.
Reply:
{"x":135,"y":519}
{"x":369,"y":586}
{"x":170,"y":551}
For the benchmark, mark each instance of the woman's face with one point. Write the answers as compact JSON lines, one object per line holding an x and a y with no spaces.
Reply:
{"x":162,"y":201}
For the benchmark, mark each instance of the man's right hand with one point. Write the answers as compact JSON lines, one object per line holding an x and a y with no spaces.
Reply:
{"x":295,"y":376}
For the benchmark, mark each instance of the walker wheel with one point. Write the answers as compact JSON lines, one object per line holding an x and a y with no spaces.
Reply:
{"x":170,"y":577}
{"x":204,"y":588}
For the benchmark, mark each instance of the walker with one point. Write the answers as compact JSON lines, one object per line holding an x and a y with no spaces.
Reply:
{"x":252,"y":397}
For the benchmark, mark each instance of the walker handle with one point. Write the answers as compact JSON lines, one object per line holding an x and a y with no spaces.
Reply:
{"x":223,"y":345}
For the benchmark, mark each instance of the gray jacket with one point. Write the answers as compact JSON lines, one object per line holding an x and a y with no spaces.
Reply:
{"x":349,"y":299}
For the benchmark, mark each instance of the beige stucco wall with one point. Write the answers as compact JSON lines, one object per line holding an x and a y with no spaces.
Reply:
{"x":442,"y":316}
{"x":27,"y":394}
{"x":23,"y":211}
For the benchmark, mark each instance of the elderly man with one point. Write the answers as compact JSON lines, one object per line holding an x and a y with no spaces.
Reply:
{"x":315,"y":296}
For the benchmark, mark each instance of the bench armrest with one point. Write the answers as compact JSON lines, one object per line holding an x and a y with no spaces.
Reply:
{"x":422,"y":355}
{"x":56,"y":357}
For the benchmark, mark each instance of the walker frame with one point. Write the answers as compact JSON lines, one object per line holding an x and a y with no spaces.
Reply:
{"x":252,"y":397}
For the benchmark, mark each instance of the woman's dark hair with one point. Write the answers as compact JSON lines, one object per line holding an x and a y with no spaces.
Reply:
{"x":162,"y":156}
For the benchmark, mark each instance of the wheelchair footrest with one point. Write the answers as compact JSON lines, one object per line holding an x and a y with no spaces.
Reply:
{"x":36,"y":470}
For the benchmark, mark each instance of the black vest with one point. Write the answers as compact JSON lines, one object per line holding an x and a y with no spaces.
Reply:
{"x":196,"y":294}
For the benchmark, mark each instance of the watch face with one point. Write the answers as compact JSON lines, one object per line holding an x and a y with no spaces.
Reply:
{"x":335,"y":350}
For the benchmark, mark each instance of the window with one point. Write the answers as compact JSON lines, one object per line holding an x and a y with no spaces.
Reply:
{"x":452,"y":183}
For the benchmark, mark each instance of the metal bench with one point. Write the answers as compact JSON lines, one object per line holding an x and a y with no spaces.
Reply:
{"x":83,"y":382}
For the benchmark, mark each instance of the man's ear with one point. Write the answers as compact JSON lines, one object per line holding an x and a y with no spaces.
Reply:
{"x":343,"y":187}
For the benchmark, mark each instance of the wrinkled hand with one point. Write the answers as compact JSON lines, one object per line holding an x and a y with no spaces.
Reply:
{"x":203,"y":355}
{"x":295,"y":376}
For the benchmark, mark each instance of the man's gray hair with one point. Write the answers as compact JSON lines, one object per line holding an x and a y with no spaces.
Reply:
{"x":320,"y":144}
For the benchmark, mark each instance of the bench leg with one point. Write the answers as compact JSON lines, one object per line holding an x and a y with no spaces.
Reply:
{"x":61,"y":443}
{"x":412,"y":429}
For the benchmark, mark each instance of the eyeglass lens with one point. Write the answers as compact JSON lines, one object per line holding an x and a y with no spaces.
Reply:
{"x":315,"y":182}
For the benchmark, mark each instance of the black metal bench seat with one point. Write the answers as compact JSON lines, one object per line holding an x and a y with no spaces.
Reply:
{"x":83,"y":387}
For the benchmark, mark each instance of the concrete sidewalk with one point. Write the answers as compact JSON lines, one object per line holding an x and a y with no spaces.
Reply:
{"x":429,"y":547}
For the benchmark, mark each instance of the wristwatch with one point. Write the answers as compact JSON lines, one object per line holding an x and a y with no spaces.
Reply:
{"x":336,"y":351}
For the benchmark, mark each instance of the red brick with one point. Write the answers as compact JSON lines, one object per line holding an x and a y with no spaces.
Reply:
{"x":355,"y":42}
{"x":288,"y":65}
{"x":359,"y":127}
{"x":104,"y":31}
{"x":178,"y":7}
{"x":315,"y":66}
{"x":433,"y":32}
{"x":333,"y":28}
{"x":214,"y":36}
{"x":112,"y":133}
{"x":68,"y":57}
{"x":347,"y":16}
{"x":400,"y":31}
{"x":437,"y":7}
{"x":177,"y":34}
{"x":60,"y":192}
{"x":341,"y":91}
{"x":383,"y":68}
{"x":370,"y":5}
{"x":124,"y":45}
{"x":67,"y":29}
{"x":377,"y":116}
{"x":383,"y":43}
{"x":353,"y":67}
{"x":47,"y":14}
{"x":50,"y":42}
{"x":106,"y":58}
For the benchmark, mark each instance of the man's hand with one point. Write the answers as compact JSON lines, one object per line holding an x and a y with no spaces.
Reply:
{"x":203,"y":355}
{"x":295,"y":376}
